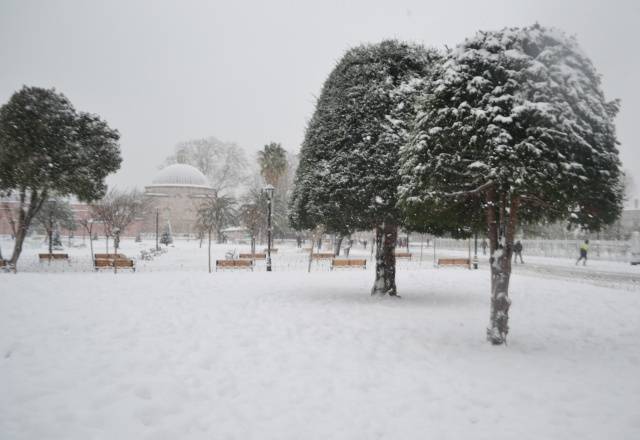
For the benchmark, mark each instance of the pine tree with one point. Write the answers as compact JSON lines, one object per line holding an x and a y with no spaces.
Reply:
{"x":166,"y":238}
{"x":515,"y":128}
{"x":47,"y":147}
{"x":347,"y":178}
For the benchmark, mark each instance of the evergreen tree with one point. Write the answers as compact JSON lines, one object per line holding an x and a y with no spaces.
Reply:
{"x":47,"y":147}
{"x":166,"y":238}
{"x":515,"y":128}
{"x":347,"y":178}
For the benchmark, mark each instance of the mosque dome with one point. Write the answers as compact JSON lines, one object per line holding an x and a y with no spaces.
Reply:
{"x":180,"y":175}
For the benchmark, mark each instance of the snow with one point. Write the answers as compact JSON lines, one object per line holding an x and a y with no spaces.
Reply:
{"x":174,"y":352}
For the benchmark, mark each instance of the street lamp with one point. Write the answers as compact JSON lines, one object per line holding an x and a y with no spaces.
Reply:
{"x":268,"y":190}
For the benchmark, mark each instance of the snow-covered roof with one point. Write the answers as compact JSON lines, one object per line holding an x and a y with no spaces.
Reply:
{"x":180,"y":175}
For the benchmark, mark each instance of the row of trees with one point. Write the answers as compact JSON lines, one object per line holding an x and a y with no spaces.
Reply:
{"x":216,"y":213}
{"x":509,"y":128}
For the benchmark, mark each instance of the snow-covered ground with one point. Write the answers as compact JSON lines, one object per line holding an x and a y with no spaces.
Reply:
{"x":174,"y":352}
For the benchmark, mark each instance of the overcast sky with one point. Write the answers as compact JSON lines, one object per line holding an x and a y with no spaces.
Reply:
{"x":166,"y":71}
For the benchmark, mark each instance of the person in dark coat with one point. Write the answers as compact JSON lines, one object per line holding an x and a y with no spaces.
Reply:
{"x":517,"y":252}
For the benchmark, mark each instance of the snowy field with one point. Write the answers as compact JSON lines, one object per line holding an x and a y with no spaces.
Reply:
{"x":172,"y":352}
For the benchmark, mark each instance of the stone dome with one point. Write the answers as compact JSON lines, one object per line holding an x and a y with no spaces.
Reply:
{"x":180,"y":175}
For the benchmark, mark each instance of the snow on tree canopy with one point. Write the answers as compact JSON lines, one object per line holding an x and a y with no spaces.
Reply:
{"x":522,"y":108}
{"x":348,"y":173}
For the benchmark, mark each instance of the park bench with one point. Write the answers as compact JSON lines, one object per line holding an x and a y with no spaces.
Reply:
{"x":465,"y":262}
{"x":273,"y":250}
{"x":348,"y":263}
{"x":252,"y":256}
{"x":119,"y":261}
{"x":53,"y":257}
{"x":323,"y":256}
{"x":234,"y":264}
{"x":403,"y":255}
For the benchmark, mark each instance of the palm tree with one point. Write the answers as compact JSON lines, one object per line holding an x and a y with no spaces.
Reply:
{"x":273,"y":163}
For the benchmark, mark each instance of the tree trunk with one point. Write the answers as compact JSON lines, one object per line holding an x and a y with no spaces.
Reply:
{"x":501,"y":251}
{"x":50,"y":234}
{"x":253,"y":245}
{"x":24,"y":220}
{"x":209,"y":251}
{"x":385,"y":282}
{"x":338,"y":245}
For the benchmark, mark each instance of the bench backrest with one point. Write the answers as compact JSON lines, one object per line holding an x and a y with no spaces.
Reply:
{"x":53,"y":256}
{"x":234,"y":263}
{"x":453,"y":262}
{"x":273,"y":250}
{"x":109,"y":262}
{"x":252,"y":256}
{"x":403,"y":254}
{"x":323,"y":256}
{"x":355,"y":262}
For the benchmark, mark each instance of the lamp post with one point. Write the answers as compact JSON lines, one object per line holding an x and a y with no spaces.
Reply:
{"x":269,"y":189}
{"x":157,"y":218}
{"x":475,"y":251}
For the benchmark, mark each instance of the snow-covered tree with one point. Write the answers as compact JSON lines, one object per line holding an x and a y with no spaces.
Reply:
{"x":55,"y":213}
{"x":252,"y":214}
{"x":348,"y":177}
{"x":215,"y":214}
{"x":224,"y":163}
{"x":166,"y":238}
{"x":47,"y":147}
{"x":119,"y":209}
{"x":515,"y":127}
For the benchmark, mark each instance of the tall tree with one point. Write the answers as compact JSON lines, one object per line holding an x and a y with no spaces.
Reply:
{"x":224,"y":163}
{"x":348,"y":174}
{"x":273,"y":163}
{"x":47,"y":147}
{"x":515,"y":128}
{"x":55,"y":213}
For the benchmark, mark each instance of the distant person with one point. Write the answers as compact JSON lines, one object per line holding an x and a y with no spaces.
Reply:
{"x":517,"y":252}
{"x":299,"y":241}
{"x":584,"y":248}
{"x":484,"y":247}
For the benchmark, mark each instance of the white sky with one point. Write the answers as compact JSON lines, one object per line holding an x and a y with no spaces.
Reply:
{"x":166,"y":71}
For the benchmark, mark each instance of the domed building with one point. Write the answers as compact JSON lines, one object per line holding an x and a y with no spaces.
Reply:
{"x":176,"y":192}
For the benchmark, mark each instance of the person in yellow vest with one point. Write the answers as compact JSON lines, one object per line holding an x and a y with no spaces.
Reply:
{"x":584,"y":248}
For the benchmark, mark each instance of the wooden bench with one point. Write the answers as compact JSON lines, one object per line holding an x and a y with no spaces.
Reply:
{"x":53,"y":257}
{"x":110,"y":263}
{"x":348,"y":263}
{"x":323,"y":256}
{"x":273,"y":250}
{"x":234,"y":264}
{"x":250,"y":257}
{"x":403,"y":255}
{"x":454,"y":262}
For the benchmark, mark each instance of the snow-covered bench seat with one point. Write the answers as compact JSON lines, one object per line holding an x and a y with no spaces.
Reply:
{"x":252,"y":256}
{"x":356,"y":263}
{"x":234,"y":264}
{"x":454,"y":262}
{"x":323,"y":256}
{"x":108,"y":256}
